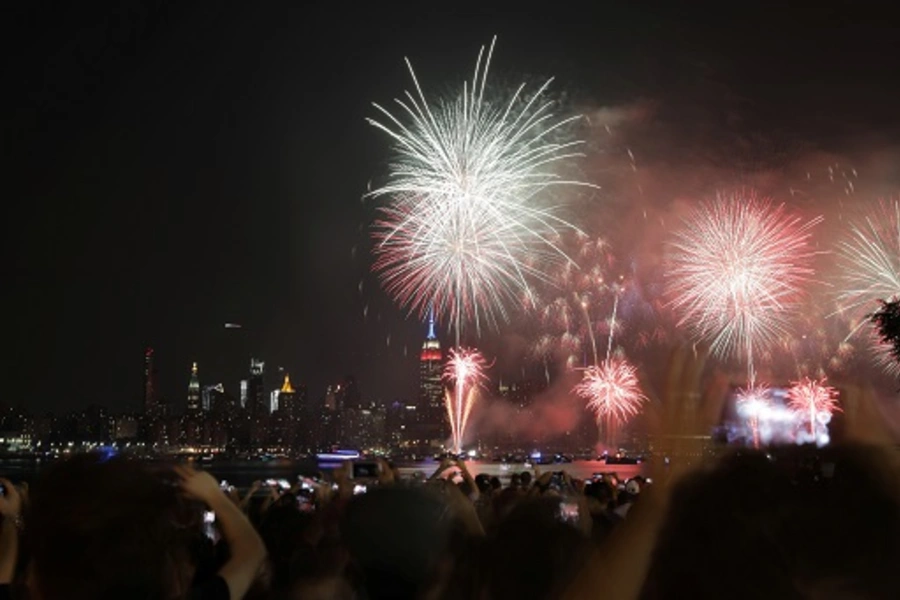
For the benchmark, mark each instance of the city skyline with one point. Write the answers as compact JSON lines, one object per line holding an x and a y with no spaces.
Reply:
{"x":189,"y":178}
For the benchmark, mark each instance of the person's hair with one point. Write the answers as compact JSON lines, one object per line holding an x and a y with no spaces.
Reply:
{"x":755,"y":527}
{"x":495,"y":483}
{"x":532,"y":534}
{"x":113,"y":528}
{"x":395,"y":537}
{"x":282,"y":530}
{"x":526,"y":478}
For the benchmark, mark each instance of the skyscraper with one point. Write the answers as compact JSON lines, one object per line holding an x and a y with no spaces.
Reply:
{"x":210,"y":394}
{"x":430,"y":410}
{"x":273,"y":400}
{"x":257,"y":402}
{"x":287,"y":397}
{"x":151,"y":403}
{"x":193,"y":395}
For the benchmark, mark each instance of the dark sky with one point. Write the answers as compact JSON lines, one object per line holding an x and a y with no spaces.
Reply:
{"x":173,"y":166}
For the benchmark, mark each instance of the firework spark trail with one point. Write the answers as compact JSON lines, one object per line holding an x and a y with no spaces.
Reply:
{"x":469,"y":220}
{"x":752,"y":402}
{"x":811,"y":398}
{"x":612,"y":327}
{"x":465,"y":373}
{"x":612,"y":391}
{"x":737,"y":269}
{"x":870,"y":260}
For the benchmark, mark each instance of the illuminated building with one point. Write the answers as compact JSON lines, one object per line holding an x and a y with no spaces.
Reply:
{"x":273,"y":400}
{"x":151,"y":403}
{"x":349,"y":397}
{"x":210,"y":394}
{"x":193,"y":395}
{"x":244,"y":393}
{"x":286,"y":397}
{"x":430,"y":413}
{"x":256,"y":393}
{"x":331,"y":396}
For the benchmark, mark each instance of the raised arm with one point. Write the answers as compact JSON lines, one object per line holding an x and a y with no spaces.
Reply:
{"x":248,"y":553}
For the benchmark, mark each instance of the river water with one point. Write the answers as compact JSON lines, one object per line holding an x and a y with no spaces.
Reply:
{"x":243,"y":473}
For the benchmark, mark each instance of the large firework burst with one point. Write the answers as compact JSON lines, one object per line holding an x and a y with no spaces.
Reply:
{"x":869,"y":258}
{"x":612,"y":390}
{"x":469,"y":219}
{"x":737,"y":268}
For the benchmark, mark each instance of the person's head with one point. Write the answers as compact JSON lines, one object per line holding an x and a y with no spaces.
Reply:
{"x":752,"y":526}
{"x":109,"y":529}
{"x":526,"y":479}
{"x":395,"y":537}
{"x":483,"y":483}
{"x":599,"y":491}
{"x":283,"y":529}
{"x":515,"y":481}
{"x":495,"y":483}
{"x":533,"y":533}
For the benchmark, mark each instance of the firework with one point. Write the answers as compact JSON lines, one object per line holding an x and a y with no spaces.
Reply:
{"x":813,"y":400}
{"x":612,"y":391}
{"x":737,"y":269}
{"x":754,"y":403}
{"x":468,"y":220}
{"x":870,"y":260}
{"x":574,"y":307}
{"x":464,"y":372}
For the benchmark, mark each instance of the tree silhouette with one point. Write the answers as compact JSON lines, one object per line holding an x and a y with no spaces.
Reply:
{"x":887,"y":320}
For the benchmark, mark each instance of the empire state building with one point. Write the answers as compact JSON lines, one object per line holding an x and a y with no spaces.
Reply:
{"x":430,"y":408}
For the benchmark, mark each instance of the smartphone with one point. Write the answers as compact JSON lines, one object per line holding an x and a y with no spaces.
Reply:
{"x":209,"y":525}
{"x":284,"y":484}
{"x":557,"y":480}
{"x":270,"y":483}
{"x":359,"y":489}
{"x":224,"y":484}
{"x":365,"y":470}
{"x":568,"y":512}
{"x":304,"y":504}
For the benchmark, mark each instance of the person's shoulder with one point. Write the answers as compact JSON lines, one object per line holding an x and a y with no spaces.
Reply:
{"x":214,"y":588}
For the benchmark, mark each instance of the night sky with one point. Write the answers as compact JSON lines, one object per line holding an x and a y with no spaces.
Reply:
{"x":173,"y":167}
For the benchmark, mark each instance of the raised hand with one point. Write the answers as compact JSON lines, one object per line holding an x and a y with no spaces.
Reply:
{"x":11,"y":500}
{"x":198,"y":485}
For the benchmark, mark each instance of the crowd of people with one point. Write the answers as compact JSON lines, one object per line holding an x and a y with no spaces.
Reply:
{"x":823,"y":524}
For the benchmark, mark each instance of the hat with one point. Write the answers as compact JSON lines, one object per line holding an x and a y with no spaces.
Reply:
{"x":633,"y":487}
